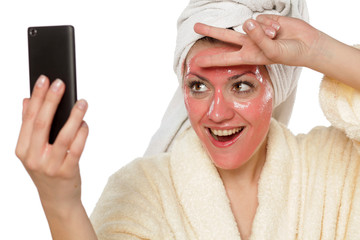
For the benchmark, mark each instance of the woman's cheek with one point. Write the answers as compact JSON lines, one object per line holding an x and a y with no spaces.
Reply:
{"x":195,"y":110}
{"x":255,"y":111}
{"x":192,"y":105}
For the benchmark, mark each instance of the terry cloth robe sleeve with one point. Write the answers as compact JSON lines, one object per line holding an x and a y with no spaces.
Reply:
{"x":331,"y":170}
{"x":341,"y":105}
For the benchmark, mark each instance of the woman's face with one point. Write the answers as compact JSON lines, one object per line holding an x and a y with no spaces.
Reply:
{"x":229,"y":107}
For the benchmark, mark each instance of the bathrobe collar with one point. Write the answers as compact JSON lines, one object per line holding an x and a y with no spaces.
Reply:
{"x":203,"y":196}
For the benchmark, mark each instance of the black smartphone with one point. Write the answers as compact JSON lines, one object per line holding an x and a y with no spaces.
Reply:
{"x":52,"y":53}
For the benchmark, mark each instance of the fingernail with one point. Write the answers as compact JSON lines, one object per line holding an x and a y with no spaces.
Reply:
{"x":55,"y":86}
{"x":81,"y":104}
{"x":270,"y":32}
{"x":84,"y":124}
{"x":40,"y":82}
{"x":250,"y":25}
{"x":276,"y":26}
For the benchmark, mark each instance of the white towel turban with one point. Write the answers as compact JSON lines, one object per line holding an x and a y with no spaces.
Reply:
{"x":227,"y":14}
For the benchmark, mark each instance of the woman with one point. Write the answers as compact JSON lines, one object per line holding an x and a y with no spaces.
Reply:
{"x":236,"y":173}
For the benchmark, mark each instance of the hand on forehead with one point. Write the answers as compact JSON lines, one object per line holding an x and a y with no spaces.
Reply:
{"x":207,"y":47}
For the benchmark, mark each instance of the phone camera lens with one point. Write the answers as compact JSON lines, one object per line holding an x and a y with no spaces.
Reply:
{"x":33,"y":32}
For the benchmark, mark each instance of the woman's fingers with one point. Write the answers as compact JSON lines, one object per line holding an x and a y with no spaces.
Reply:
{"x":68,"y":133}
{"x":76,"y":149}
{"x":220,"y":60}
{"x":25,"y":106}
{"x":222,"y":34}
{"x":53,"y":168}
{"x":31,"y":107}
{"x":260,"y":38}
{"x":270,"y":24}
{"x":250,"y":44}
{"x":42,"y":123}
{"x":269,"y":20}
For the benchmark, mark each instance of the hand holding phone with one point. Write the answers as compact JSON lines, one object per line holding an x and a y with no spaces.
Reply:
{"x":54,"y":167}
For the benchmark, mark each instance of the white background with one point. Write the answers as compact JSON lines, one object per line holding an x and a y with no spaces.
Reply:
{"x":124,"y":71}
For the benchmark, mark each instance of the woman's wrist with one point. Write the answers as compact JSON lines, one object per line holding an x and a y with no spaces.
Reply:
{"x":336,"y":60}
{"x":68,"y":221}
{"x":318,"y":52}
{"x":61,"y":210}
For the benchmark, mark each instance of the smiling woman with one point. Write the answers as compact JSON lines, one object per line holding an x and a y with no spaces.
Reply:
{"x":226,"y":166}
{"x":232,"y":169}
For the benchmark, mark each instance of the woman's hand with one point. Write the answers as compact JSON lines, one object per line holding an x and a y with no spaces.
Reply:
{"x":53,"y":168}
{"x":269,"y":39}
{"x":290,"y":41}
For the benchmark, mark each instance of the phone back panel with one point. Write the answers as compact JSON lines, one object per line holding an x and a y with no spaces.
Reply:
{"x":52,"y":53}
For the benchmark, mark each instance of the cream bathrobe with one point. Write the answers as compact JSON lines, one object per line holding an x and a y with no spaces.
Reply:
{"x":309,"y":187}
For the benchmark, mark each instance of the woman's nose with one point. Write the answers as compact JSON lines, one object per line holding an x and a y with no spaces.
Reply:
{"x":220,"y":109}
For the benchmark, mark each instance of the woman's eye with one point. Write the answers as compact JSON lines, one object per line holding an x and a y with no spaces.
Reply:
{"x":198,"y":87}
{"x":241,"y":87}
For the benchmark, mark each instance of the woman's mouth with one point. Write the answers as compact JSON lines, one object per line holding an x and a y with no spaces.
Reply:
{"x":225,"y":138}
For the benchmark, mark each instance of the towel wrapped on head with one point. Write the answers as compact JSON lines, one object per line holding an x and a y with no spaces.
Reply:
{"x":227,"y":14}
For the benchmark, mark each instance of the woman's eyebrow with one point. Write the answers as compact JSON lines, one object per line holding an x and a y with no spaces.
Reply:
{"x":239,"y":76}
{"x":198,"y":76}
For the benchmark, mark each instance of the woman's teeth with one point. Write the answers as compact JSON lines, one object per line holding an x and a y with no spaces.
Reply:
{"x":227,"y":132}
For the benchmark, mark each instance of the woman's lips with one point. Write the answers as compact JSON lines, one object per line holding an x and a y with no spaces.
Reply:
{"x":224,"y":138}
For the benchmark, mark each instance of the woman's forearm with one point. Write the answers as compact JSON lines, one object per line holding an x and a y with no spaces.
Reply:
{"x":70,"y":223}
{"x":337,"y":60}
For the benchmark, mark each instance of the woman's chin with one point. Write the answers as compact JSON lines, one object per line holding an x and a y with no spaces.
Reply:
{"x":227,"y":162}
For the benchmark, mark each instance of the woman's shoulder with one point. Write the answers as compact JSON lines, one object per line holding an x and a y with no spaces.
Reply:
{"x":318,"y":136}
{"x":319,"y":144}
{"x":330,"y":139}
{"x":138,"y":189}
{"x":143,"y":171}
{"x":321,"y":135}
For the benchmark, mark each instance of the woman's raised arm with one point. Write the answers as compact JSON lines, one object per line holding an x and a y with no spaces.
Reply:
{"x":55,"y":168}
{"x":290,"y":41}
